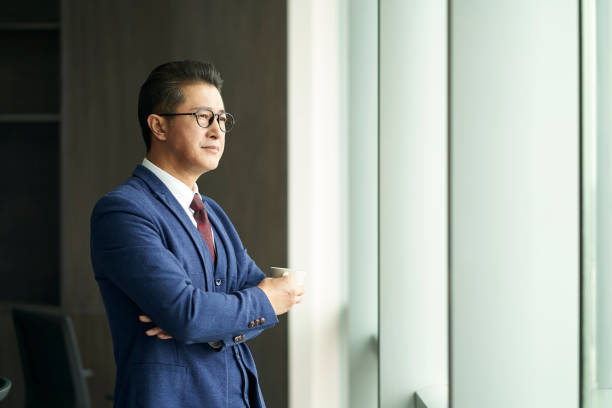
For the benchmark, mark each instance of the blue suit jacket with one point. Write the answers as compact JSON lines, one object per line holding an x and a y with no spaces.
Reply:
{"x":149,"y":258}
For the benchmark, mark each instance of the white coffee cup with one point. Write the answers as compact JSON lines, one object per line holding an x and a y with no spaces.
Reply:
{"x":277,"y":272}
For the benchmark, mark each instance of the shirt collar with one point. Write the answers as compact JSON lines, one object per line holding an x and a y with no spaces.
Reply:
{"x":181,"y":192}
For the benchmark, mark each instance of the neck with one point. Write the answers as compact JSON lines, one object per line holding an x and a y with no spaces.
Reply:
{"x":173,"y":169}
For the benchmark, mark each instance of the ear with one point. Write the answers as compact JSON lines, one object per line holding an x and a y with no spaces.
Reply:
{"x":158,"y":126}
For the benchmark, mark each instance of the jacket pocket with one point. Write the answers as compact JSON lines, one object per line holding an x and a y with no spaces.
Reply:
{"x":158,"y":385}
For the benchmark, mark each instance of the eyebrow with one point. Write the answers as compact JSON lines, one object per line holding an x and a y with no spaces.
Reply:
{"x":209,"y":108}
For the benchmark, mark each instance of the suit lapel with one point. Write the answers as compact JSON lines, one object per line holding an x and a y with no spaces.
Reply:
{"x":161,"y":192}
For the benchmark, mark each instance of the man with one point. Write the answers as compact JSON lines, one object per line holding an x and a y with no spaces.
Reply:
{"x":181,"y":293}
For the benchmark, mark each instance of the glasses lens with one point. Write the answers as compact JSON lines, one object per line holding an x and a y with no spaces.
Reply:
{"x":226,"y":122}
{"x":204,"y":118}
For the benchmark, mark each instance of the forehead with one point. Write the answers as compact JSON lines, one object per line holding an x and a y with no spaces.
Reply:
{"x":201,"y":95}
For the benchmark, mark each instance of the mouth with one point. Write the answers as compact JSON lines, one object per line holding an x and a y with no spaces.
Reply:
{"x":211,"y":148}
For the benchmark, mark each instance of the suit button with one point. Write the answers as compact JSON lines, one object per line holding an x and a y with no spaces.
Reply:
{"x":218,"y":282}
{"x":237,"y":339}
{"x":251,"y":325}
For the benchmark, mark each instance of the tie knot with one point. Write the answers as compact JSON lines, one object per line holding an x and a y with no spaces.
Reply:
{"x":196,"y":203}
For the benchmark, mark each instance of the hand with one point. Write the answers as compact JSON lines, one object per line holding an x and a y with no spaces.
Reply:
{"x":283,"y":293}
{"x":155,"y":331}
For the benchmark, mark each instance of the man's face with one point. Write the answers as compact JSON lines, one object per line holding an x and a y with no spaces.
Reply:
{"x":195,"y":149}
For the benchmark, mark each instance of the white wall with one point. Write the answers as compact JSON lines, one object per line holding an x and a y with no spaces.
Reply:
{"x":317,"y":198}
{"x":597,"y":281}
{"x":603,"y":180}
{"x":515,"y":204}
{"x":589,"y":204}
{"x":413,"y":199}
{"x":363,"y":203}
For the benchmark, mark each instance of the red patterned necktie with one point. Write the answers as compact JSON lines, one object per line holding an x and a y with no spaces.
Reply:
{"x":201,"y":217}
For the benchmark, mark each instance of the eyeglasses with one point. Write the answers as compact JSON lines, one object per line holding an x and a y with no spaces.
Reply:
{"x":205,"y":117}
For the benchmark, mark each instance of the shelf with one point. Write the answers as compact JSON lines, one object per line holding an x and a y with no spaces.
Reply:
{"x":29,"y":26}
{"x":29,"y":214}
{"x":32,"y":11}
{"x":30,"y":118}
{"x":30,"y":71}
{"x":30,"y":80}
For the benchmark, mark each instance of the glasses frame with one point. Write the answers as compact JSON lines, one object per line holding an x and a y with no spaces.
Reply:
{"x":210,"y":121}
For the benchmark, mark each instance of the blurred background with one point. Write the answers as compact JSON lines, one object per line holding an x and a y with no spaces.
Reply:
{"x":71,"y":72}
{"x":440,"y":170}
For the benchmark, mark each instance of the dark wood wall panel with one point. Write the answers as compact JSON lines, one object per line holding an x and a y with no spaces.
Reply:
{"x":108,"y":50}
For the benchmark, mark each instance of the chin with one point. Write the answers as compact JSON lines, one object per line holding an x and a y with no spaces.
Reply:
{"x":209,"y":167}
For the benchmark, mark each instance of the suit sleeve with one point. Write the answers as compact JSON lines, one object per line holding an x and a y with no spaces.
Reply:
{"x":254,"y":275}
{"x":128,"y":250}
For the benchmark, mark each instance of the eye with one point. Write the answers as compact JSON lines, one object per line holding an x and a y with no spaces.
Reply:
{"x":206,"y":115}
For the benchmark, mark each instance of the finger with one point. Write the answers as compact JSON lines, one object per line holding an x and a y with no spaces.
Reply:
{"x":164,"y":336}
{"x":300,"y":291}
{"x":144,"y":319}
{"x":298,"y":299}
{"x":154,"y":331}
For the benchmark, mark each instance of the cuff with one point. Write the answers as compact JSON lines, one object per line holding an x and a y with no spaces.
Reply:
{"x":261,"y":316}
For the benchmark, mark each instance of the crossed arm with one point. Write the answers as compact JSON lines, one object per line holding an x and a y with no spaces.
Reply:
{"x":127,"y":249}
{"x":283,"y":293}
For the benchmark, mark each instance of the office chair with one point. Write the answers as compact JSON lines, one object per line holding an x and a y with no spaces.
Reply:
{"x":54,"y":376}
{"x":5,"y":387}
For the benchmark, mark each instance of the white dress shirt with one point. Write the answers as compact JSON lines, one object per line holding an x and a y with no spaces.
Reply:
{"x":181,"y":191}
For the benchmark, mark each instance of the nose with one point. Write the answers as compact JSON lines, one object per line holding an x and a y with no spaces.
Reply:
{"x":214,"y":130}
